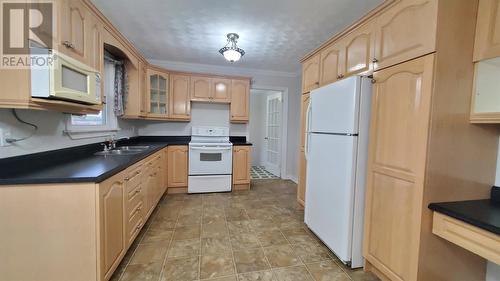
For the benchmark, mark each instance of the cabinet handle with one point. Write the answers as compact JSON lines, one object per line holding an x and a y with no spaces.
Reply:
{"x":68,"y":44}
{"x":374,"y":81}
{"x":138,"y":227}
{"x":127,"y":179}
{"x":316,"y":83}
{"x":340,"y":76}
{"x":374,"y":60}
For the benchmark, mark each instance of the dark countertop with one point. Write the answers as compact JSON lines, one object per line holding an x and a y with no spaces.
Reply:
{"x":484,"y":214}
{"x":78,"y":164}
{"x":239,"y":140}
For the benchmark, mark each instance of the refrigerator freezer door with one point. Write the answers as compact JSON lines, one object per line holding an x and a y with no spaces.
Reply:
{"x":330,"y":191}
{"x":335,"y":107}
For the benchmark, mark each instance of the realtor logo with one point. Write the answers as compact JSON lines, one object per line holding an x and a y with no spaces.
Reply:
{"x":25,"y":24}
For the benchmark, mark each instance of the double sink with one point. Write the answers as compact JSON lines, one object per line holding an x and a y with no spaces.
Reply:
{"x":124,"y":150}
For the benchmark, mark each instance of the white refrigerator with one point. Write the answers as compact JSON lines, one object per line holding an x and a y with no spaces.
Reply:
{"x":337,"y":128}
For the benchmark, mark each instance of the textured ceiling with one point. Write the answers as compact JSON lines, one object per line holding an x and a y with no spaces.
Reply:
{"x":275,"y":34}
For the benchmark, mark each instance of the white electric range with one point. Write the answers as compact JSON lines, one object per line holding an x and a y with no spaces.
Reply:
{"x":210,"y":160}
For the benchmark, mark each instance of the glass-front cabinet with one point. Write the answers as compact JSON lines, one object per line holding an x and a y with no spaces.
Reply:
{"x":485,"y":106}
{"x":157,"y":93}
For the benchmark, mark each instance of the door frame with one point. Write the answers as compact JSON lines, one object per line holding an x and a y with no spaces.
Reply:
{"x":284,"y":125}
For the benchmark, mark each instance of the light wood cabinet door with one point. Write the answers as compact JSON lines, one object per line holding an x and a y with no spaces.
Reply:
{"x":73,"y":25}
{"x":111,"y":221}
{"x":177,"y":166}
{"x":303,"y":112}
{"x":95,"y":44}
{"x":180,"y":103}
{"x":201,"y":88}
{"x":301,"y":190}
{"x":357,"y":52}
{"x":396,"y":167}
{"x":143,"y":88}
{"x":221,"y":90}
{"x":157,"y":94}
{"x":329,"y":64}
{"x":310,"y":74}
{"x":487,"y":43}
{"x":241,"y":164}
{"x":405,"y":31}
{"x":240,"y":94}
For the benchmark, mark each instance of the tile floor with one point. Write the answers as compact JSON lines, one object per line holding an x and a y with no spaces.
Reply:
{"x":239,"y":236}
{"x":260,"y":172}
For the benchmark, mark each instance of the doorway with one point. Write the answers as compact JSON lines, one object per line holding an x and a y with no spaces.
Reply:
{"x":266,"y":133}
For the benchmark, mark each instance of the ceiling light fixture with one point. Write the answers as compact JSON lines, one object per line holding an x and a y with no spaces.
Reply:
{"x":231,"y":52}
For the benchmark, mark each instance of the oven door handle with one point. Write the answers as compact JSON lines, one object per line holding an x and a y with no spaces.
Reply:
{"x":211,"y":148}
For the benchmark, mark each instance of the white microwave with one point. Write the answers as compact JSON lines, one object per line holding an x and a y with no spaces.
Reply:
{"x":64,"y":79}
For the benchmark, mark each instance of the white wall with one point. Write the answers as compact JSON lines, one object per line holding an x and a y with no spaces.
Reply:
{"x":256,"y":129}
{"x":202,"y":114}
{"x":493,"y":271}
{"x":284,"y":81}
{"x":50,"y":134}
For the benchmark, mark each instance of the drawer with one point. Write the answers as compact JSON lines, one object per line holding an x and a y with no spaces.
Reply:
{"x":135,"y":222}
{"x":133,"y":178}
{"x":135,"y":204}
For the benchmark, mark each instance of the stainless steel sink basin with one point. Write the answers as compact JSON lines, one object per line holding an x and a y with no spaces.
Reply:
{"x":124,"y":150}
{"x":133,"y":147}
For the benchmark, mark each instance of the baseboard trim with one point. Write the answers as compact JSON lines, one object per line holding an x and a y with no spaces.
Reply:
{"x":292,"y":178}
{"x":177,"y":190}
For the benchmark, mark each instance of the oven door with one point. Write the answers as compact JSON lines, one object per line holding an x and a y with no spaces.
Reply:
{"x":210,"y":159}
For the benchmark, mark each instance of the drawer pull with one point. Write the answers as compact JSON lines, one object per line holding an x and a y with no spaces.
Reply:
{"x":68,"y":44}
{"x":139,"y":227}
{"x":127,"y":179}
{"x":374,"y":60}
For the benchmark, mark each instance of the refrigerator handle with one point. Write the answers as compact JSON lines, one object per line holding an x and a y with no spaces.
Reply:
{"x":306,"y":137}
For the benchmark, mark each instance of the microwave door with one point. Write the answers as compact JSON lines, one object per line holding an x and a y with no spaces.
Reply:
{"x":75,"y":81}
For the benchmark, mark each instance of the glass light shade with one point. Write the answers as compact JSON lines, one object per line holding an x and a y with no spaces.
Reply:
{"x":232,"y":55}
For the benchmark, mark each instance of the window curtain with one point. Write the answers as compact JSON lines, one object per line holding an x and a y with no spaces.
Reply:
{"x":121,"y":89}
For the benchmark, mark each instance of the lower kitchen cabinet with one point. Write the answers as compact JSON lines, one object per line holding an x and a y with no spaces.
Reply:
{"x":242,"y":164}
{"x":111,"y":224}
{"x":177,"y":168}
{"x":83,"y":230}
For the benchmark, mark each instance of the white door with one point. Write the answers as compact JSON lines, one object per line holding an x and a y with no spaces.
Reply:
{"x":330,"y":190}
{"x":272,"y":160}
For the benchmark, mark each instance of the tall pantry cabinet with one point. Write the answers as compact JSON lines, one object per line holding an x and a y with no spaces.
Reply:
{"x":423,"y":148}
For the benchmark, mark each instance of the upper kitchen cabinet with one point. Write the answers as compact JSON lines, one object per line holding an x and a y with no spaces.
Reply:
{"x":404,"y":31}
{"x":157,"y":93}
{"x":74,"y":27}
{"x":95,"y":43}
{"x":357,"y":52}
{"x":201,"y":87}
{"x":135,"y":103}
{"x":221,"y":90}
{"x":329,"y":64}
{"x":487,"y":41}
{"x":210,"y":89}
{"x":180,"y":103}
{"x":485,"y":106}
{"x":310,"y":74}
{"x":240,"y":93}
